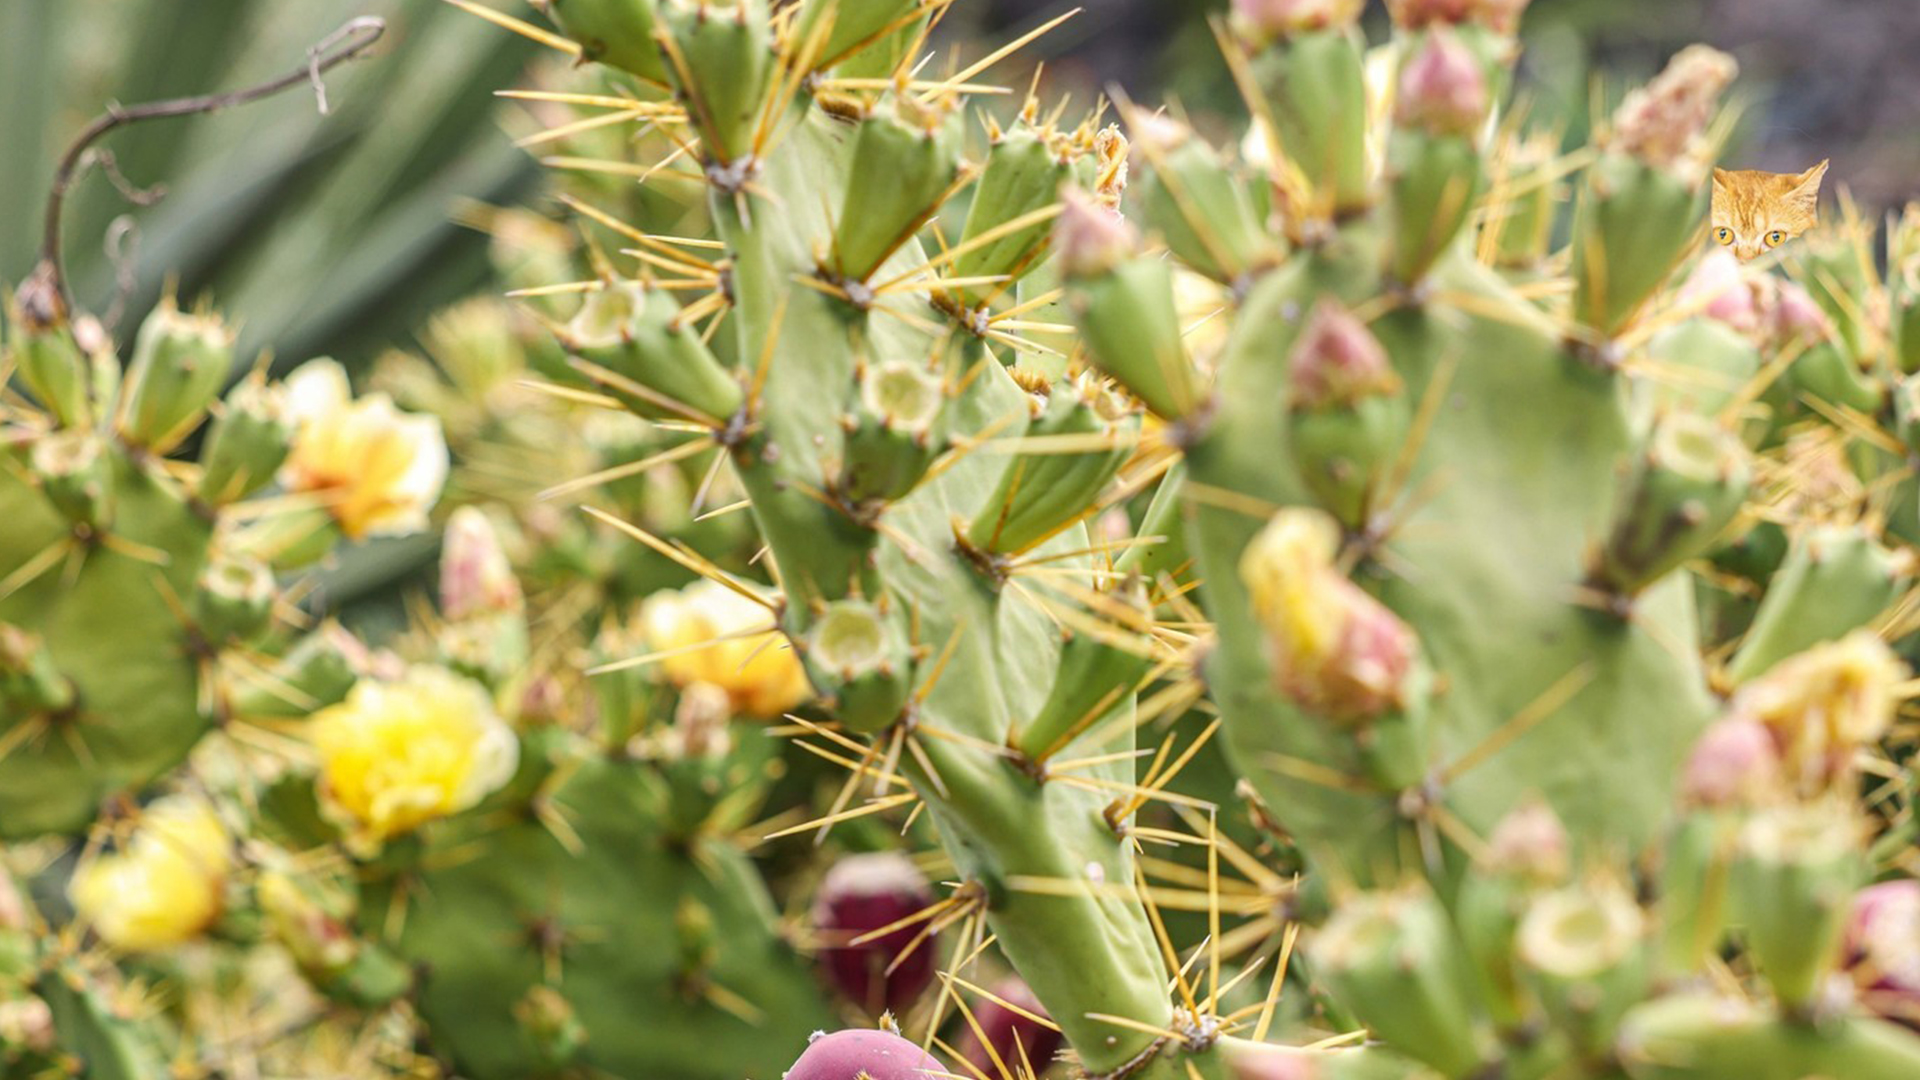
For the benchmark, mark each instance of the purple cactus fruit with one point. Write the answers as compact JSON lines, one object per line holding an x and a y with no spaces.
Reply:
{"x":1009,"y":1033}
{"x":862,"y":894}
{"x":864,"y":1053}
{"x":1883,"y":949}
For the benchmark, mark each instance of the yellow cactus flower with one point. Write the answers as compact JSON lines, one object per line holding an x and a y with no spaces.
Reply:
{"x":380,"y":469}
{"x":1286,"y":572}
{"x":397,"y":754}
{"x":758,"y":670}
{"x":164,"y":886}
{"x":1336,"y":650}
{"x":1823,"y":704}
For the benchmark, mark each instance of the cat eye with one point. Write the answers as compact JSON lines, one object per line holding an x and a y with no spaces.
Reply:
{"x":1776,"y":238}
{"x":1723,"y":237}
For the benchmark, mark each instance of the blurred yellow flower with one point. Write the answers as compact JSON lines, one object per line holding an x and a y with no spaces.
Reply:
{"x":397,"y":754}
{"x":380,"y":468}
{"x":164,"y":886}
{"x":1823,"y":704}
{"x":749,"y":658}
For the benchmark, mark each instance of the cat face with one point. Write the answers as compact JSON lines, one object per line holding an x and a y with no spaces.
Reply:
{"x":1755,"y":212}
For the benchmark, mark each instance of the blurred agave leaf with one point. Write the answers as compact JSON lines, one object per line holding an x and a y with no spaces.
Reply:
{"x":320,"y":235}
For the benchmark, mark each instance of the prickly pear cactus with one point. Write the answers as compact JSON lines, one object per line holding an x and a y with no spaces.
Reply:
{"x":1456,"y":505}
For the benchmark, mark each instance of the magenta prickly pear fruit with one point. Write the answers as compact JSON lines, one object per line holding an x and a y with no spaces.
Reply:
{"x":862,"y":894}
{"x":864,"y":1054}
{"x":1883,"y":949}
{"x":1013,"y":1033}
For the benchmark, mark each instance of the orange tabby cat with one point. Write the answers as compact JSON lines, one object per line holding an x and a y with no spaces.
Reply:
{"x":1755,"y":212}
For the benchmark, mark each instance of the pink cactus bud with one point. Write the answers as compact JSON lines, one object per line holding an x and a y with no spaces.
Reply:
{"x":1337,"y":361}
{"x":26,"y":1023}
{"x":475,"y":577}
{"x":1369,"y":671}
{"x":1734,"y":764}
{"x":1015,"y":1038}
{"x":1798,"y":317}
{"x":1442,"y":89}
{"x":1282,"y":18}
{"x":859,"y":1052}
{"x":1091,"y":238}
{"x":1415,"y":14}
{"x":1261,"y":1061}
{"x":1883,"y":948}
{"x":1661,"y":122}
{"x":1530,"y":842}
{"x":1721,"y":291}
{"x":862,"y":894}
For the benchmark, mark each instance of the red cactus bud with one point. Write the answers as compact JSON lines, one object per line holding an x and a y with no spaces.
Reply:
{"x":861,"y":894}
{"x":1659,"y":123}
{"x":1337,"y":360}
{"x":859,"y":1052}
{"x":1796,"y":316}
{"x":1734,"y":764}
{"x":1720,"y":289}
{"x":475,"y":577}
{"x":1883,"y":948}
{"x":1415,"y":14}
{"x":1530,"y":842}
{"x":1281,"y":18}
{"x":1091,"y":238}
{"x":1442,"y":89}
{"x":1015,"y":1038}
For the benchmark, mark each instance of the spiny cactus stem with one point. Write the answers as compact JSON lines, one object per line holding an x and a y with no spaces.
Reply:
{"x":44,"y":299}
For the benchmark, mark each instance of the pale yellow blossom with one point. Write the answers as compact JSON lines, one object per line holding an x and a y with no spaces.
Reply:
{"x":380,"y":469}
{"x":164,"y":886}
{"x":748,"y":657}
{"x":398,"y":754}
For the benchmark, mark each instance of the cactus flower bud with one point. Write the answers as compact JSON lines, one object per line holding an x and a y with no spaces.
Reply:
{"x":1882,"y":948}
{"x":1661,"y":122}
{"x":860,"y":895}
{"x":1395,"y":960}
{"x":475,"y":577}
{"x":1797,"y":317}
{"x":1336,"y":650}
{"x":1823,"y":704}
{"x":164,"y":886}
{"x":1530,"y":842}
{"x":1500,"y":16}
{"x":1734,"y":764}
{"x":1416,"y":14}
{"x":318,"y":938}
{"x":29,"y":681}
{"x":757,"y":669}
{"x":400,"y":753}
{"x":1719,"y":289}
{"x":1443,"y":90}
{"x":246,"y":443}
{"x":1794,"y":877}
{"x":1091,"y":239}
{"x":75,"y":474}
{"x":179,"y":363}
{"x":27,"y":1023}
{"x":379,"y":469}
{"x":550,"y":1024}
{"x":1015,"y":1036}
{"x":1581,"y":949}
{"x":1264,"y":1061}
{"x":235,"y":599}
{"x":860,"y":657}
{"x":1337,"y":361}
{"x":874,"y":1055}
{"x":1267,"y":19}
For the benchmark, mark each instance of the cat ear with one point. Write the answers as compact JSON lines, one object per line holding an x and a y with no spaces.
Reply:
{"x":1806,"y":186}
{"x":1722,"y":179}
